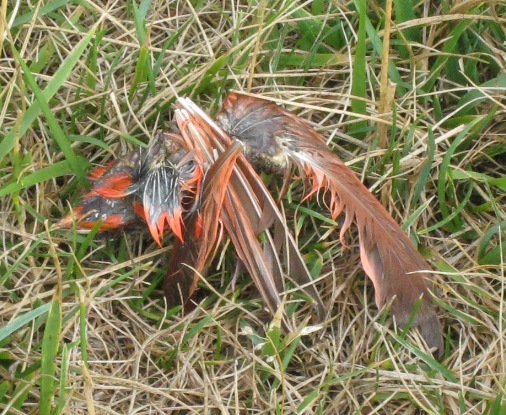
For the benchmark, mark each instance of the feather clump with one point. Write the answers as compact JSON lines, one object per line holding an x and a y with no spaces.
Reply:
{"x":149,"y":185}
{"x":204,"y":184}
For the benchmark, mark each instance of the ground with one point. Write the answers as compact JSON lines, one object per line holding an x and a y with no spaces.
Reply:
{"x":83,"y":324}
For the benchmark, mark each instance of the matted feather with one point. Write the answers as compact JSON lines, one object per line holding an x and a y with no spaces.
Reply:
{"x":191,"y":257}
{"x":219,"y":207}
{"x":150,"y":184}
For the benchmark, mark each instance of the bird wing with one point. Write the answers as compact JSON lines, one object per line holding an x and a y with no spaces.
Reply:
{"x":274,"y":137}
{"x":244,"y":207}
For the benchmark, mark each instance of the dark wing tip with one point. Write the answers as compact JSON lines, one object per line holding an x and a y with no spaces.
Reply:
{"x":423,"y":316}
{"x":431,"y":331}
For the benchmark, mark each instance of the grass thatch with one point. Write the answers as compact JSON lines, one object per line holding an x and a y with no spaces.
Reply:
{"x":83,"y":327}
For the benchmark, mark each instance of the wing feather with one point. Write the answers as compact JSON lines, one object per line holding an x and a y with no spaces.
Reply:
{"x":190,"y":259}
{"x":281,"y":139}
{"x":246,"y":210}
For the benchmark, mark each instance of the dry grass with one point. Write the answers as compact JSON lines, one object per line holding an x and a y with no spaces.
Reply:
{"x":109,"y":346}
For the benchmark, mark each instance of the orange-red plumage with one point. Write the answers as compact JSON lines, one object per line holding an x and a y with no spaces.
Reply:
{"x":203,"y":183}
{"x":145,"y":184}
{"x":275,"y":139}
{"x":115,"y":185}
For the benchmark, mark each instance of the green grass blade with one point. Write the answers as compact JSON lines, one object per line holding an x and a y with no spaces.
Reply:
{"x":60,"y":76}
{"x":197,"y":328}
{"x":476,"y":96}
{"x":60,"y":406}
{"x":429,"y":360}
{"x":452,"y":214}
{"x":49,"y":49}
{"x":142,"y":68}
{"x":53,"y":171}
{"x":83,"y":332}
{"x":494,"y":254}
{"x":46,"y":9}
{"x":58,"y":134}
{"x":444,"y":176}
{"x":479,"y":177}
{"x":425,"y":171}
{"x":405,"y":11}
{"x":498,"y":405}
{"x":29,"y":251}
{"x":359,"y":82}
{"x":316,"y":60}
{"x":449,"y":48}
{"x":50,"y":345}
{"x":22,"y":321}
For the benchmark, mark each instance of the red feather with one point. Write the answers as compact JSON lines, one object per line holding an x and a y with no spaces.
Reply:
{"x":233,"y":198}
{"x":113,"y":213}
{"x":149,"y":184}
{"x":114,"y":185}
{"x":274,"y":139}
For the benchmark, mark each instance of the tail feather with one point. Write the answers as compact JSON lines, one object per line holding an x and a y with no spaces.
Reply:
{"x":388,"y":256}
{"x":269,"y":214}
